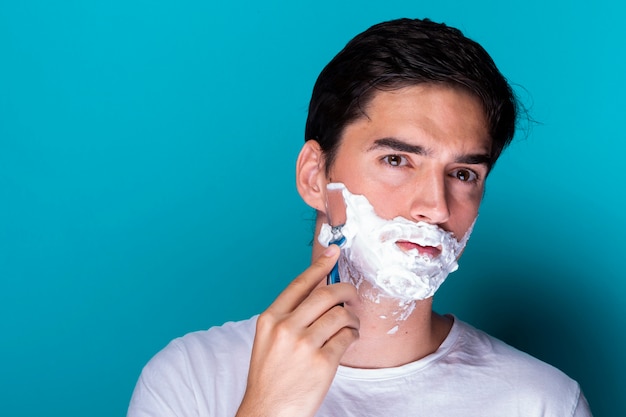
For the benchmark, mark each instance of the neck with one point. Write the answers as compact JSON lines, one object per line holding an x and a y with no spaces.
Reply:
{"x":386,"y":339}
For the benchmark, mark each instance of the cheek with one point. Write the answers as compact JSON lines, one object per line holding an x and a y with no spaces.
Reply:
{"x":464,"y":203}
{"x":465,"y":197}
{"x":462,"y":215}
{"x":387,"y":203}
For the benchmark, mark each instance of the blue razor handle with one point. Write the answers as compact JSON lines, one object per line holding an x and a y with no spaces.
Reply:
{"x":333,"y":277}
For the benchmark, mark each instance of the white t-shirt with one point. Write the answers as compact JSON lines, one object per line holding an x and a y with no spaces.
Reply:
{"x":471,"y":374}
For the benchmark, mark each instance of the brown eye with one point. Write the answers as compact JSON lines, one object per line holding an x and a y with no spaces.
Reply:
{"x":395,"y":160}
{"x":465,"y":175}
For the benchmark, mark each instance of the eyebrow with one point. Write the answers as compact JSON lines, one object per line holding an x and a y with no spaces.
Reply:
{"x":397,"y":145}
{"x":401,"y":146}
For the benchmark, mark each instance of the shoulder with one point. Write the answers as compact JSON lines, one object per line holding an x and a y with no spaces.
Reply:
{"x":232,"y":337}
{"x":207,"y":346}
{"x":532,"y":380}
{"x":486,"y":350}
{"x":186,"y":374}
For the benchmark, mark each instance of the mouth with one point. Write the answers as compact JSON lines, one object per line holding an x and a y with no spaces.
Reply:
{"x":430,"y":251}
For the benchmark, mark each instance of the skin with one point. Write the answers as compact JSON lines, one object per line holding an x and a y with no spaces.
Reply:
{"x":420,"y":152}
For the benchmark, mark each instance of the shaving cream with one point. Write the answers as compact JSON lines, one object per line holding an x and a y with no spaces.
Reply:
{"x":370,"y":252}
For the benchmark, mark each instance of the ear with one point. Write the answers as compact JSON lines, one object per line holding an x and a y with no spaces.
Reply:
{"x":310,"y":175}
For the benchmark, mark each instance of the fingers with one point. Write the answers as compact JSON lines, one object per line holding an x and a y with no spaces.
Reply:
{"x":335,"y":347}
{"x":299,"y":342}
{"x":302,"y":286}
{"x":328,"y":329}
{"x":320,"y":301}
{"x":304,"y":308}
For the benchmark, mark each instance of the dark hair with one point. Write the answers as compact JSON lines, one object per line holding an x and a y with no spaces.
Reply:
{"x":401,"y":53}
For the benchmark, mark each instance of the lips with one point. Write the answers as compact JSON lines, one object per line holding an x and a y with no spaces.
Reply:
{"x":430,"y":251}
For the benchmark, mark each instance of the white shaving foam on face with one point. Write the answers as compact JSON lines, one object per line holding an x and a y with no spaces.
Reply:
{"x":371,"y":253}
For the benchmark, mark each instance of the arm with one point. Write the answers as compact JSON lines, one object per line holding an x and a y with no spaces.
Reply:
{"x":164,"y":388}
{"x":299,"y":342}
{"x":582,"y":407}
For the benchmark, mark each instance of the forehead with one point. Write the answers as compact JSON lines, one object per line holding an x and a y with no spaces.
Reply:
{"x":438,"y":113}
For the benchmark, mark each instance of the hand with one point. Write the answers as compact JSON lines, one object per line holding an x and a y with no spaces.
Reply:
{"x":299,"y":342}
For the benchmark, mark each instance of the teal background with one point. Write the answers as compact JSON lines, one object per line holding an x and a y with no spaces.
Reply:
{"x":147,"y":151}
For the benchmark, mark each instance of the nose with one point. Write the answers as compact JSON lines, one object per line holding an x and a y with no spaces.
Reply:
{"x":430,"y":202}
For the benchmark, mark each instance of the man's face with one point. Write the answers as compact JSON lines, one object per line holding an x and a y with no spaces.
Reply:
{"x":422,"y":153}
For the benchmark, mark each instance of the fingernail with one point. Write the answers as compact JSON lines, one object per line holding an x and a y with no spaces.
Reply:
{"x":330,"y":251}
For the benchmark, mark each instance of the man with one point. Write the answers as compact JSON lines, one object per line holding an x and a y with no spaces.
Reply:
{"x":407,"y":122}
